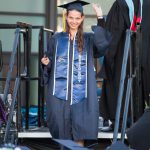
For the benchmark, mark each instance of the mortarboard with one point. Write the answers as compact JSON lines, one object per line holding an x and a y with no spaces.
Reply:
{"x":77,"y":5}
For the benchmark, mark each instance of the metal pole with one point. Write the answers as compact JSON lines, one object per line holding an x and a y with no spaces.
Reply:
{"x":121,"y":86}
{"x":40,"y":89}
{"x":28,"y":56}
{"x":17,"y":83}
{"x":128,"y":93}
{"x":11,"y":64}
{"x":51,"y":14}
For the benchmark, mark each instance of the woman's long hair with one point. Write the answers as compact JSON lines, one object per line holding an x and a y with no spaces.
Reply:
{"x":80,"y":40}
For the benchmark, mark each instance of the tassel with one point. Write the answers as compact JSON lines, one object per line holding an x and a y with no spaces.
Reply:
{"x":64,"y":21}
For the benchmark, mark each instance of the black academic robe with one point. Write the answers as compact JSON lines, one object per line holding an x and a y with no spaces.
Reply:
{"x":117,"y":22}
{"x":139,"y":134}
{"x":146,"y":50}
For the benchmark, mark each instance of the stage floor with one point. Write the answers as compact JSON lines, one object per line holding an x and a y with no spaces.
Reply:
{"x":43,"y":132}
{"x":39,"y":138}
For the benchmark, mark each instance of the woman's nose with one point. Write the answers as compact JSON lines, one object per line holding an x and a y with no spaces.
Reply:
{"x":74,"y":20}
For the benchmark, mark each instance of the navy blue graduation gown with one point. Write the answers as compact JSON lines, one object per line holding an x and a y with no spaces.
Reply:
{"x":78,"y":121}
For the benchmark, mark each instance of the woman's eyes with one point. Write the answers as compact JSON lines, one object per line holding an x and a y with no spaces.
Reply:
{"x":74,"y":18}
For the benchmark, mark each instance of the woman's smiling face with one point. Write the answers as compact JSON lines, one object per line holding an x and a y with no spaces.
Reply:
{"x":74,"y":19}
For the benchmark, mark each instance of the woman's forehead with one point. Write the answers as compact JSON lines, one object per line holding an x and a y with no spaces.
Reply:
{"x":74,"y":13}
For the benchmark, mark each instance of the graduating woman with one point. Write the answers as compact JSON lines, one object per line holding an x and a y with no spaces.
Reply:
{"x":71,"y":103}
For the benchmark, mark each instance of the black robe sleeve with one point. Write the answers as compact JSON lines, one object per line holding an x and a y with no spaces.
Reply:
{"x":49,"y":54}
{"x":101,"y":22}
{"x":101,"y":41}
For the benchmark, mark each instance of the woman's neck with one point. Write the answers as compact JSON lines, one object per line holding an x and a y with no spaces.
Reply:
{"x":72,"y":34}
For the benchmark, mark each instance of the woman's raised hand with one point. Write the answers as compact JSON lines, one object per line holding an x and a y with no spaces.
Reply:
{"x":98,"y":10}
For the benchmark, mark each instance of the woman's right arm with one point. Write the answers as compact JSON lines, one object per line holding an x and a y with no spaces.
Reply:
{"x":46,"y":61}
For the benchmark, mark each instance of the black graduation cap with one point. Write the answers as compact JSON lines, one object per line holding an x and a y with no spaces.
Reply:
{"x":77,"y":5}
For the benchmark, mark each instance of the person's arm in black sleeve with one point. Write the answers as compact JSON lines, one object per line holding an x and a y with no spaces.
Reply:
{"x":101,"y":38}
{"x":101,"y":41}
{"x":46,"y":68}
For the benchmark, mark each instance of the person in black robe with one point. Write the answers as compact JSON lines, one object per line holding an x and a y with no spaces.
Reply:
{"x":146,"y":51}
{"x":71,"y":103}
{"x":117,"y":22}
{"x":138,"y":135}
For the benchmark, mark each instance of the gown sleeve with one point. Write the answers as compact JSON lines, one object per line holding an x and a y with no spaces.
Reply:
{"x":46,"y":69}
{"x":101,"y":39}
{"x":101,"y":22}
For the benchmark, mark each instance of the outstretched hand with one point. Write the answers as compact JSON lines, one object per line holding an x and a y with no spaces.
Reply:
{"x":98,"y":10}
